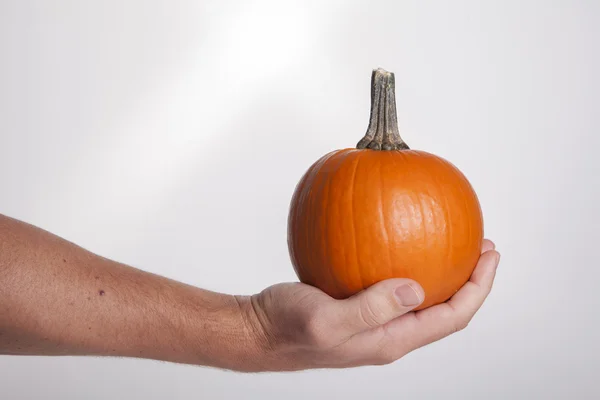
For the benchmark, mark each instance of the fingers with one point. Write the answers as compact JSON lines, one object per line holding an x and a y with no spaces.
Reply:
{"x":487,"y":245}
{"x":381,"y":303}
{"x":420,"y":328}
{"x":439,"y":321}
{"x":375,"y":306}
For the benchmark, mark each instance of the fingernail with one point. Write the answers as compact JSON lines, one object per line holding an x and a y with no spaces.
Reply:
{"x":497,"y":259}
{"x":407,"y":296}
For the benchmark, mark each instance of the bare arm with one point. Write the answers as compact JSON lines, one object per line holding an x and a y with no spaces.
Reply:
{"x":59,"y":299}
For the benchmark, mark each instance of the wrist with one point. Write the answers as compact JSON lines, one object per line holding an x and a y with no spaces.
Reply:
{"x":220,"y":335}
{"x":259,"y":338}
{"x":203,"y":328}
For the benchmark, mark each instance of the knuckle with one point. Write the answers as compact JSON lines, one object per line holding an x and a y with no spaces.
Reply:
{"x":458,"y":319}
{"x":462,"y":324}
{"x":459,"y":326}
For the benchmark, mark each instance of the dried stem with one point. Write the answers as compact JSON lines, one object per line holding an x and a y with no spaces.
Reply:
{"x":382,"y":133}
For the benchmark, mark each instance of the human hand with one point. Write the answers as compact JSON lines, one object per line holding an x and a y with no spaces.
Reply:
{"x":300,"y":327}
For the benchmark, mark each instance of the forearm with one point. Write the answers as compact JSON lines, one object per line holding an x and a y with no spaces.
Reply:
{"x":59,"y":299}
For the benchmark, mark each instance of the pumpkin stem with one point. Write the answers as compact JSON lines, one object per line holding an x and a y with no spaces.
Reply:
{"x":382,"y":133}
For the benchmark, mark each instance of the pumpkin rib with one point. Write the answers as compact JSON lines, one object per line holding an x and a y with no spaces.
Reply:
{"x":448,"y":274}
{"x":353,"y":222}
{"x":305,"y":201}
{"x":320,"y":188}
{"x":340,"y":160}
{"x":324,"y":182}
{"x":433,"y":206}
{"x":415,"y":202}
{"x":440,"y":222}
{"x":465,"y":199}
{"x":466,"y":207}
{"x":442,"y":191}
{"x":398,"y":166}
{"x":425,"y":223}
{"x":383,"y":220}
{"x":449,"y":219}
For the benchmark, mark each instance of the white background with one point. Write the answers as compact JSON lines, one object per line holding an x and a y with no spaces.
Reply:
{"x":170,"y":135}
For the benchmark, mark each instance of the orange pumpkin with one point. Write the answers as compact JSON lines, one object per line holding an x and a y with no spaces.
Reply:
{"x":359,"y":216}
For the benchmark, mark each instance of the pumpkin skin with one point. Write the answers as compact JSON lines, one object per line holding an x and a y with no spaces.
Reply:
{"x":359,"y":216}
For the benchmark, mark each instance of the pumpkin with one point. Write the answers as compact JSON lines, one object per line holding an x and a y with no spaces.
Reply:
{"x":381,"y":210}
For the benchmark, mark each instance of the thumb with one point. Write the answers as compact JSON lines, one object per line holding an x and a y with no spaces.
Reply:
{"x":378,"y":305}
